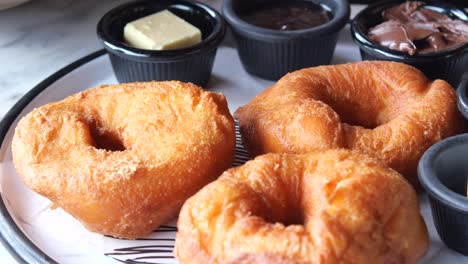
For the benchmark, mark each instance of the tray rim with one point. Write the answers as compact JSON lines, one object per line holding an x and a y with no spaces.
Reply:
{"x":13,"y":239}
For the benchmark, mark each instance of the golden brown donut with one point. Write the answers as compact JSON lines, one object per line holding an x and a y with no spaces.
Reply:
{"x":122,"y":159}
{"x":336,"y":206}
{"x":387,"y":109}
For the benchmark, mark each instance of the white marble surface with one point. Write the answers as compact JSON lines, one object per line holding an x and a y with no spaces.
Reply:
{"x":42,"y":36}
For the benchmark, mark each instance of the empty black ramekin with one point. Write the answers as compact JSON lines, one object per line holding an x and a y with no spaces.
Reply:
{"x":443,"y":173}
{"x":270,"y":54}
{"x":448,"y":65}
{"x":191,"y":64}
{"x":462,"y":96}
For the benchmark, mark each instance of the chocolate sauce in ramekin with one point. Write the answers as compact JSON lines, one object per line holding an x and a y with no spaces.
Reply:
{"x":412,"y":28}
{"x":288,"y":15}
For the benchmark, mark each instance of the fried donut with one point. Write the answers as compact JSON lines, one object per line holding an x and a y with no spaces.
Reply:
{"x":122,"y":159}
{"x":387,"y":109}
{"x":335,"y":206}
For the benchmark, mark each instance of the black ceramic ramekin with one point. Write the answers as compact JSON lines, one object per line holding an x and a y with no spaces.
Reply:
{"x":448,"y":65}
{"x":443,"y":173}
{"x":462,"y":96}
{"x":270,"y":54}
{"x":191,"y":64}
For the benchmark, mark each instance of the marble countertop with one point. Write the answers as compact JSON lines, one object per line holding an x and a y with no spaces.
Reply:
{"x":42,"y":36}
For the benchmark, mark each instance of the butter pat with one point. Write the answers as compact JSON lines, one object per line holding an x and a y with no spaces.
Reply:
{"x":161,"y":31}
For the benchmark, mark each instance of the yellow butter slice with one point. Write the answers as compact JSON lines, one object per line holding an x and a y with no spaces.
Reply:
{"x":161,"y":31}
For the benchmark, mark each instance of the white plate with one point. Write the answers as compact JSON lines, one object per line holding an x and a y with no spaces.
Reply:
{"x":35,"y":233}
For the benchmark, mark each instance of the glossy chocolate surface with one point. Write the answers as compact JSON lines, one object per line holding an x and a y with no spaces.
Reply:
{"x":288,"y":15}
{"x":411,"y":28}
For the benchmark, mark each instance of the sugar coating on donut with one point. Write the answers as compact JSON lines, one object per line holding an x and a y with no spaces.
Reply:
{"x":335,"y":206}
{"x":386,"y":109}
{"x":122,"y":169}
{"x":123,"y":158}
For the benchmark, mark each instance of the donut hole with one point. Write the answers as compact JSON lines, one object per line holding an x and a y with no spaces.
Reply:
{"x":352,"y":110}
{"x":293,"y":217}
{"x":291,"y":214}
{"x":296,"y":217}
{"x":106,"y":139}
{"x":354,"y":114}
{"x":351,"y":117}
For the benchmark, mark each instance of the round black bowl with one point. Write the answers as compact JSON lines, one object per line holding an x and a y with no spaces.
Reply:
{"x":270,"y":54}
{"x":443,"y":173}
{"x":191,"y":64}
{"x":448,"y":65}
{"x":462,"y":96}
